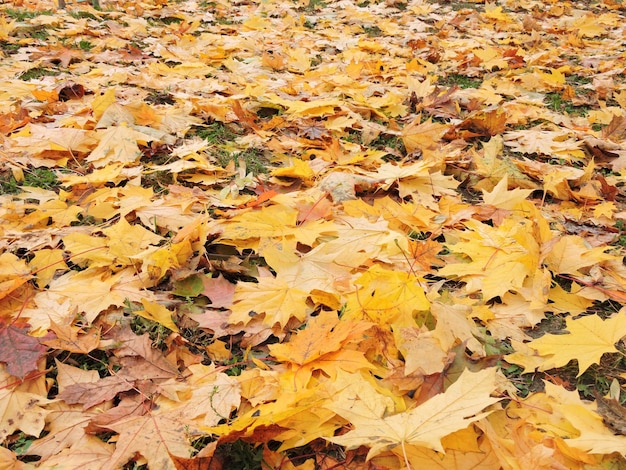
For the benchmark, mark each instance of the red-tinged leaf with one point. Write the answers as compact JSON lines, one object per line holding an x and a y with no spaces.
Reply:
{"x":135,"y":405}
{"x":219,"y":290}
{"x":90,"y":394}
{"x":141,"y":360}
{"x":73,"y":91}
{"x":14,"y":120}
{"x":20,"y":351}
{"x":68,"y":339}
{"x":155,"y":437}
{"x":198,"y":463}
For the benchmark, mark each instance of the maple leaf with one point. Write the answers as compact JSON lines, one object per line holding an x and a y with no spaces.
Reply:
{"x":92,"y":393}
{"x":501,"y":257}
{"x":571,"y":419}
{"x":423,"y":136}
{"x":569,"y":254}
{"x":270,"y":296}
{"x":118,"y":144}
{"x":13,"y":273}
{"x":386,"y":297}
{"x":490,"y":164}
{"x":157,"y":313}
{"x":69,"y":339}
{"x":66,"y":434}
{"x":20,"y":351}
{"x":45,"y":263}
{"x":139,"y":359}
{"x":154,"y":436}
{"x":588,"y":338}
{"x":484,"y":123}
{"x":547,"y":142}
{"x":461,"y":404}
{"x":211,"y":398}
{"x":91,"y":291}
{"x":422,"y":351}
{"x":218,"y":290}
{"x":504,"y":198}
{"x":20,"y":409}
{"x":127,"y":241}
{"x":316,"y":348}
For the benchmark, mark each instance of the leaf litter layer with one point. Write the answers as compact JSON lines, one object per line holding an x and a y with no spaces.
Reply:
{"x":313,"y":235}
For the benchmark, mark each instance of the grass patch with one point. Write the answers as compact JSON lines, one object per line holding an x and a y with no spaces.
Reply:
{"x":224,"y":20}
{"x":578,"y":80}
{"x":37,"y":177}
{"x":385,"y":141}
{"x":21,"y":15}
{"x":462,"y":81}
{"x":166,"y":20}
{"x":85,"y":45}
{"x":160,"y":97}
{"x":556,"y":103}
{"x":254,"y":159}
{"x":372,"y":31}
{"x":456,"y":6}
{"x":215,"y":133}
{"x":9,"y":48}
{"x":313,"y":6}
{"x":140,"y":326}
{"x":84,"y":14}
{"x":20,"y":443}
{"x":39,"y":33}
{"x":621,"y":237}
{"x":38,"y":72}
{"x":241,"y":455}
{"x":220,"y":135}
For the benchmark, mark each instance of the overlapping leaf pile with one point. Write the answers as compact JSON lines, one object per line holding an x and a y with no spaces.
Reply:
{"x":443,"y":183}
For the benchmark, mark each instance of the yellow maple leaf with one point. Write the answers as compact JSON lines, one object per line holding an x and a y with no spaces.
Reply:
{"x":102,"y":102}
{"x":60,"y":212}
{"x":324,"y":334}
{"x":490,"y":164}
{"x":501,"y":257}
{"x":588,"y":26}
{"x":424,"y":426}
{"x":21,"y":409}
{"x":126,"y":241}
{"x":575,"y":423}
{"x":493,"y":12}
{"x":296,"y":169}
{"x":118,"y":144}
{"x":271,"y":297}
{"x":212,"y":396}
{"x":386,"y":297}
{"x":323,"y":346}
{"x":13,"y":273}
{"x":570,"y":253}
{"x":588,"y":339}
{"x":422,"y":351}
{"x":502,"y":198}
{"x":423,"y":136}
{"x":90,"y":291}
{"x":157,"y":313}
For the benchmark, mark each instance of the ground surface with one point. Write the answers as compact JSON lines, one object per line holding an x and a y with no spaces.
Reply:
{"x":313,"y":235}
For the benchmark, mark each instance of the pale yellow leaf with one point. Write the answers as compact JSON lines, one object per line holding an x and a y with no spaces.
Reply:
{"x":461,"y":404}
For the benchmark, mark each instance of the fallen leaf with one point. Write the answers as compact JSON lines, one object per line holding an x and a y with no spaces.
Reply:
{"x":461,"y":404}
{"x":20,"y":351}
{"x":588,"y":338}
